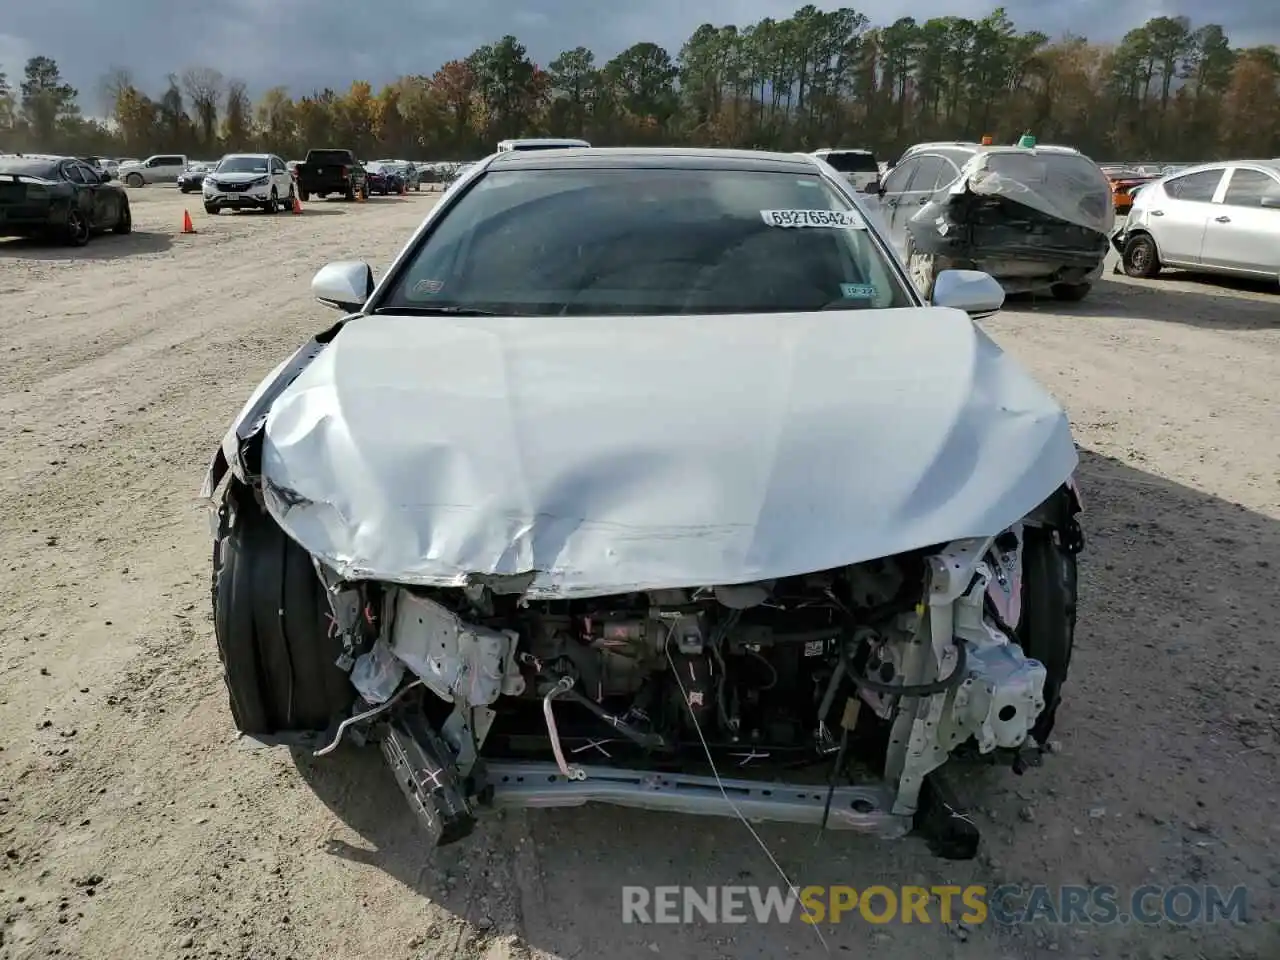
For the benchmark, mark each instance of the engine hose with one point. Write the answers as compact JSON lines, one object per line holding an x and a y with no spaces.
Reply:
{"x":941,"y":685}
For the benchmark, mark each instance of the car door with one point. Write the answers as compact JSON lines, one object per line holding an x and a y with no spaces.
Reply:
{"x":1242,"y":235}
{"x":104,"y":198}
{"x":1178,"y":219}
{"x":280,"y":178}
{"x":895,"y":188}
{"x":928,"y":170}
{"x":86,"y":192}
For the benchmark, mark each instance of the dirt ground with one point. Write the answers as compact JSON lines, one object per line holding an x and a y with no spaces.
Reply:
{"x":133,"y":825}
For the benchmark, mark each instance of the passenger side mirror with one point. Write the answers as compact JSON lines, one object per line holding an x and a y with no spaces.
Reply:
{"x":976,"y":293}
{"x":1272,"y":201}
{"x":345,"y":285}
{"x":873,"y":188}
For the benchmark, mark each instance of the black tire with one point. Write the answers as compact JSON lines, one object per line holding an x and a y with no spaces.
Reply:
{"x":350,"y":194}
{"x":1047,"y":629}
{"x":184,"y":190}
{"x":270,"y":619}
{"x":1070,"y":292}
{"x":211,"y":209}
{"x":273,"y":202}
{"x":364,"y":191}
{"x":134,"y":180}
{"x":124,"y":222}
{"x":1140,"y":257}
{"x":306,"y":195}
{"x":77,"y":230}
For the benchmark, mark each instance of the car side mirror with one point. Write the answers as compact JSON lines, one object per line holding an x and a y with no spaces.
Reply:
{"x":1272,"y":201}
{"x":345,"y":285}
{"x":873,"y":188}
{"x":976,"y":293}
{"x":105,"y":176}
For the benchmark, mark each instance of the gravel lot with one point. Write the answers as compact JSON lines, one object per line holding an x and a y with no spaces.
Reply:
{"x":133,"y":825}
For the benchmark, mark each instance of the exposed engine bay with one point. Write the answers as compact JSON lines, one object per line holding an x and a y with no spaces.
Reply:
{"x":892,"y":664}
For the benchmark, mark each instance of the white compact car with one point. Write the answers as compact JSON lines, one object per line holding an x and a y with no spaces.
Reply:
{"x":1215,"y":218}
{"x":639,"y":465}
{"x":249,"y":181}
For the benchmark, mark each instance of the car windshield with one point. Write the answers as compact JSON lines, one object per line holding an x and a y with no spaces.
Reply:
{"x":243,"y":165}
{"x":17,"y":166}
{"x":647,"y":241}
{"x":852,"y":162}
{"x":373,"y":168}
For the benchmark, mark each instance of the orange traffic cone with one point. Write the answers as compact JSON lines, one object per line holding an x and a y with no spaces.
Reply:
{"x":187,"y":225}
{"x":297,"y":204}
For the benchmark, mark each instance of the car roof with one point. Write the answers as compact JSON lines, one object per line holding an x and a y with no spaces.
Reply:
{"x":688,"y":158}
{"x":827,"y":151}
{"x":1272,"y":165}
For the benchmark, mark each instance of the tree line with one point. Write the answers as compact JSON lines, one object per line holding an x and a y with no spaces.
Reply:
{"x":1168,"y":90}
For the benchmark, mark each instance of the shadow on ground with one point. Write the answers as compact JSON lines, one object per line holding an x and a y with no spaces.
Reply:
{"x":1213,"y":303}
{"x":1174,"y":589}
{"x":107,"y":246}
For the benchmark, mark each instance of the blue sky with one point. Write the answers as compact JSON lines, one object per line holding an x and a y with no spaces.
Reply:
{"x":305,"y":44}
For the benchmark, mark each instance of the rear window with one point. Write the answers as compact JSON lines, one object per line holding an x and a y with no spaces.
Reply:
{"x":1067,"y":174}
{"x":328,"y":156}
{"x":43,"y":169}
{"x":647,"y":241}
{"x":853,"y":162}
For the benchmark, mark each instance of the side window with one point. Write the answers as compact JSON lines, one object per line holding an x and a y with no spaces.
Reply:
{"x":90,"y":175}
{"x":72,"y":172}
{"x":928,"y":173}
{"x":1248,"y":187}
{"x":1198,"y":187}
{"x":897,"y":181}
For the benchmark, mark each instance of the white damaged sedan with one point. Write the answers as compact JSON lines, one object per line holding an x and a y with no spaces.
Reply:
{"x":646,"y":477}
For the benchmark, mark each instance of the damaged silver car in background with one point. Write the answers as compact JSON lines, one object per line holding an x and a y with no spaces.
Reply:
{"x":645,"y":477}
{"x":1037,"y":218}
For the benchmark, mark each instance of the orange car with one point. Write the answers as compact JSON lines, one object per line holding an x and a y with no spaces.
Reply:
{"x":1124,"y":183}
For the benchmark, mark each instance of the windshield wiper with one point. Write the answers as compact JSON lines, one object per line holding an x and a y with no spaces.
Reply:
{"x":440,"y":311}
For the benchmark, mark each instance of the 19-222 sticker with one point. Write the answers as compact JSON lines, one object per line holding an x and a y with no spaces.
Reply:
{"x":830,"y":219}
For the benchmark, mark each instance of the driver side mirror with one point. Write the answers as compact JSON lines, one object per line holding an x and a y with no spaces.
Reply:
{"x":873,"y":188}
{"x":345,"y":285}
{"x":976,"y":293}
{"x":1272,"y":201}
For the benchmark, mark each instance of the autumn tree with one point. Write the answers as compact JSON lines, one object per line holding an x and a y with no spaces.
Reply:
{"x":204,"y":89}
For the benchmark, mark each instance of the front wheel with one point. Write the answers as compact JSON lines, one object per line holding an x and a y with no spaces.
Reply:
{"x":306,"y":196}
{"x":1047,"y":628}
{"x":1070,"y":292}
{"x":1140,"y":257}
{"x":211,"y":209}
{"x":77,"y":229}
{"x":124,"y":222}
{"x":273,"y":202}
{"x":271,"y":623}
{"x":134,"y":180}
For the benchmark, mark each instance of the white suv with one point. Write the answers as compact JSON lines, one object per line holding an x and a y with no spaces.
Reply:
{"x":248,"y":181}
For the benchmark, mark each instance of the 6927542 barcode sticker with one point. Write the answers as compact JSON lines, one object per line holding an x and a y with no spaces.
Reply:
{"x":830,"y":219}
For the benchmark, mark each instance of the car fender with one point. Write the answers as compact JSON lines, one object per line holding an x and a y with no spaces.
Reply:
{"x":240,"y":450}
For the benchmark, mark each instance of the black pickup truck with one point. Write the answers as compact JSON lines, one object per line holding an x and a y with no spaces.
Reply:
{"x":332,"y":171}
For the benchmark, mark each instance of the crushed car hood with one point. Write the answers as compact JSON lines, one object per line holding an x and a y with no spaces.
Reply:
{"x":586,"y":456}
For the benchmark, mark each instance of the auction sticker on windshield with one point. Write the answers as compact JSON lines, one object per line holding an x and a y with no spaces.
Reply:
{"x":838,"y":219}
